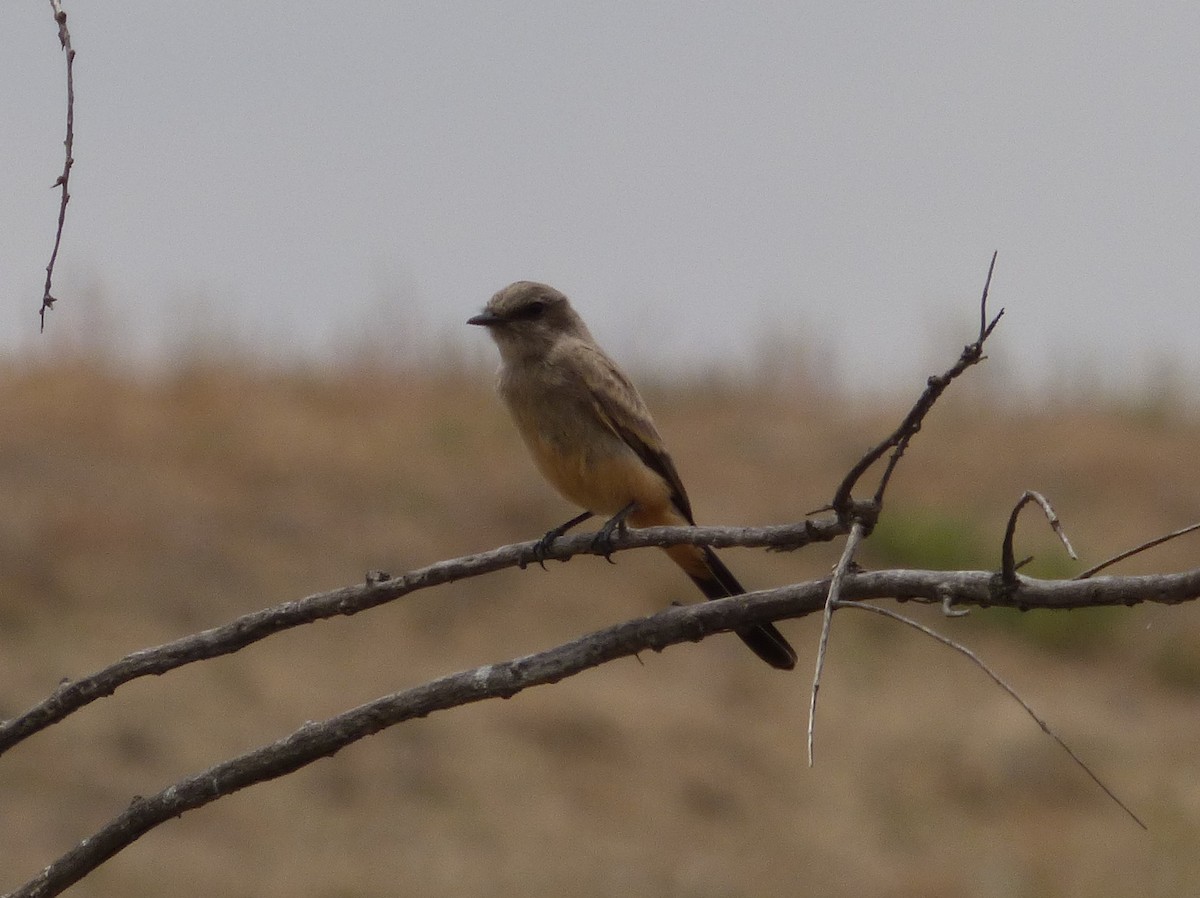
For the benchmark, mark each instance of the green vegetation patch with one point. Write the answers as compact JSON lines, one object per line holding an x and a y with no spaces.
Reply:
{"x":927,"y":539}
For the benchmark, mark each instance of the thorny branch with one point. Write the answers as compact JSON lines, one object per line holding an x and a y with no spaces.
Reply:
{"x":64,"y":38}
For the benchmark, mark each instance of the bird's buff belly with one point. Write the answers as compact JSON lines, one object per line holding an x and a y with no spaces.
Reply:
{"x":602,"y":480}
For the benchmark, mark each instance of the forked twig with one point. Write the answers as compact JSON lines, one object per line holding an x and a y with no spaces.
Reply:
{"x":1008,"y":566}
{"x":857,"y":532}
{"x":1129,"y":553}
{"x":899,"y":439}
{"x":64,"y":38}
{"x":999,"y":681}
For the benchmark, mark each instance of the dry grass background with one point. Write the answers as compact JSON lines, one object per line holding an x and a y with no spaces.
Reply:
{"x":137,"y":509}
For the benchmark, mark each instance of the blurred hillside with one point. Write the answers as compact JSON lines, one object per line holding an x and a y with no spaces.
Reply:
{"x":136,"y":509}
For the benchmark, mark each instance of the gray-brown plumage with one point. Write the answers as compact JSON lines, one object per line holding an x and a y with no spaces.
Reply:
{"x":592,"y":437}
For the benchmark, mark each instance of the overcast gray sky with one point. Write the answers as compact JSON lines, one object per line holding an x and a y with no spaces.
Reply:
{"x":699,"y":175}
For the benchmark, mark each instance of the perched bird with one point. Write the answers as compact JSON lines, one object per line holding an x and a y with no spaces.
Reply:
{"x":592,"y":437}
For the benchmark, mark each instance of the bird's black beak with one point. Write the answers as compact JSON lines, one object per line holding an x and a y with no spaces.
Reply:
{"x":485,"y":319}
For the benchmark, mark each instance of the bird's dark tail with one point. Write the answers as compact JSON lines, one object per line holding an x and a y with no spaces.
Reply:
{"x":717,"y":582}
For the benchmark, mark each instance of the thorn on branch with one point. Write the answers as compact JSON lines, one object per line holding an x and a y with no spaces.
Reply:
{"x":948,"y":609}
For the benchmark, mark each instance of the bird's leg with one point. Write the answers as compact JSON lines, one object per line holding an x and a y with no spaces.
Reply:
{"x":602,"y":544}
{"x":542,"y":547}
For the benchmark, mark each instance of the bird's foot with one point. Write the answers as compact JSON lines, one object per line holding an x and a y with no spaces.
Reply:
{"x":602,"y":543}
{"x":541,"y":549}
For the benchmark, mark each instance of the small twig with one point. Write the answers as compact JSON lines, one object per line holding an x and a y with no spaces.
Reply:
{"x":898,"y":440}
{"x":1008,"y":567}
{"x":984,"y":328}
{"x":893,"y":461}
{"x":999,"y":681}
{"x":835,"y":589}
{"x":1129,"y":553}
{"x":64,"y":38}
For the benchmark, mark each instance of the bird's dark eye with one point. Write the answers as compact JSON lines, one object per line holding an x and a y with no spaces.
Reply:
{"x":531,"y":310}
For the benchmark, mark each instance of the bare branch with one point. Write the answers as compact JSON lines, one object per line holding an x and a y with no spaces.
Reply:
{"x":70,"y":696}
{"x":670,"y":626}
{"x":999,"y":681}
{"x":64,"y":38}
{"x":1129,"y":553}
{"x":318,"y":740}
{"x":1008,"y":567}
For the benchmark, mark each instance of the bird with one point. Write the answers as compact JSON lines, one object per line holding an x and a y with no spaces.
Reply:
{"x":592,"y":437}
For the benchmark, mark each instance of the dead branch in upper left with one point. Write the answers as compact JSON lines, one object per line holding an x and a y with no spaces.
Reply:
{"x":64,"y":38}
